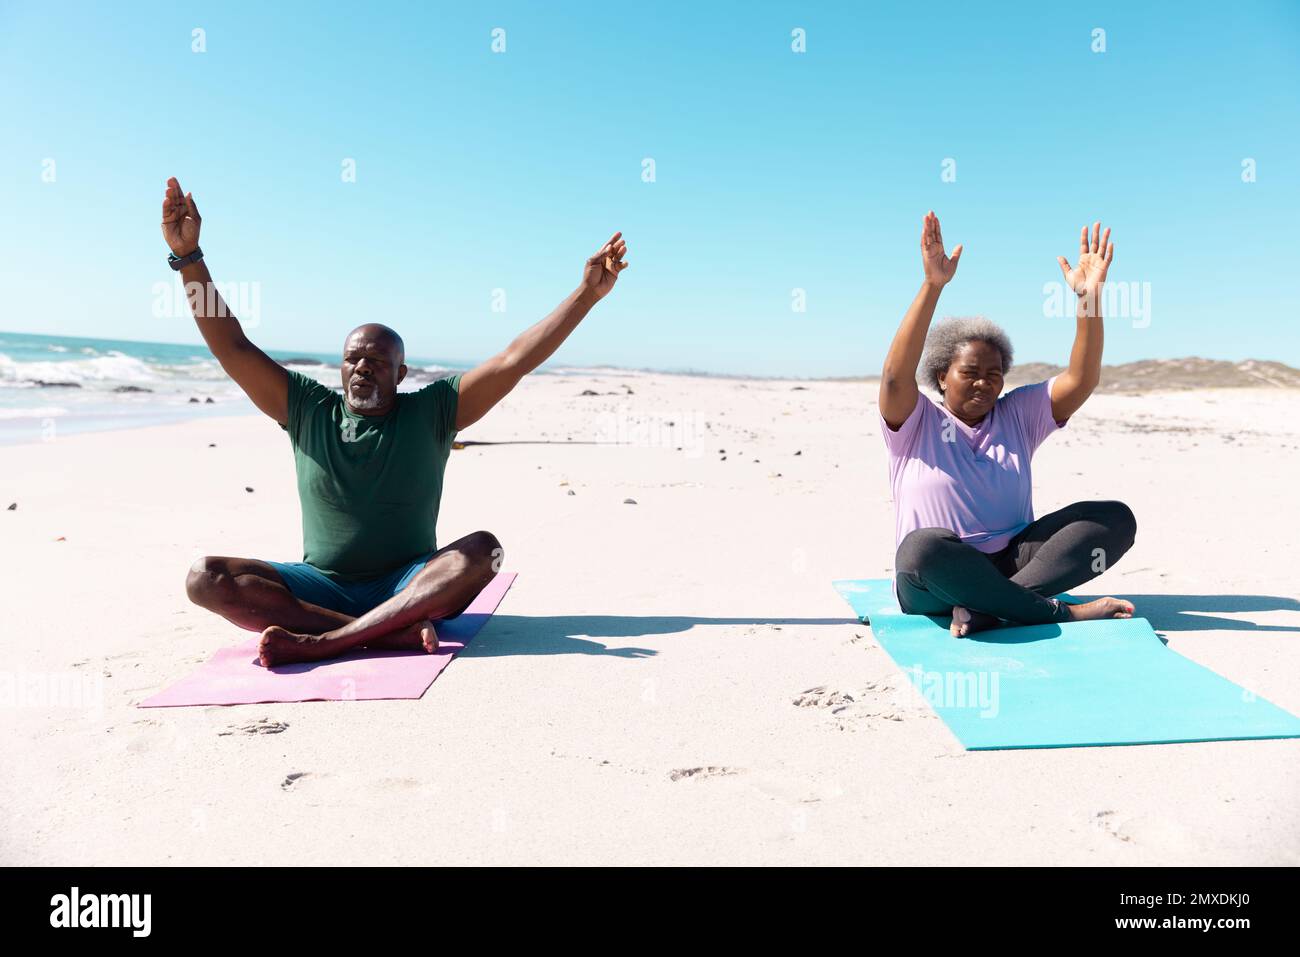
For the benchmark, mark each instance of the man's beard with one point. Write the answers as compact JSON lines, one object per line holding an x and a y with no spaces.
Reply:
{"x":373,"y":400}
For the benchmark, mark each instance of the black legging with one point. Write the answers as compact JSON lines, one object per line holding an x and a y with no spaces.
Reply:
{"x":937,"y":571}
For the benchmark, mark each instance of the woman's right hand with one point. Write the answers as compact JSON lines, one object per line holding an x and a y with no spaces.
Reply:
{"x":180,"y":220}
{"x":939,"y":269}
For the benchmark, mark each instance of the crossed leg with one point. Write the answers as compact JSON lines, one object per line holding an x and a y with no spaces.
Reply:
{"x":251,"y":594}
{"x":936,"y":572}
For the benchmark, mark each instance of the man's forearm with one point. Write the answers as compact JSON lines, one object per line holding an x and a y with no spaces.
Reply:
{"x":219,"y":328}
{"x":539,"y":342}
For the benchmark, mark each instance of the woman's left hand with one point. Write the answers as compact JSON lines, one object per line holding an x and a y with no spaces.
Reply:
{"x":1094,"y":259}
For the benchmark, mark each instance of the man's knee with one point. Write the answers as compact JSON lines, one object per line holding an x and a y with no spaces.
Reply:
{"x":483,"y":551}
{"x":922,"y":546}
{"x":209,"y":581}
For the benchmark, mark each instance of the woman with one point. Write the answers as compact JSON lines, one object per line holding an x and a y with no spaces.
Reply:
{"x":968,"y":543}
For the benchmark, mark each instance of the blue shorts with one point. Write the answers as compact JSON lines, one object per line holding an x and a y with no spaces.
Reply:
{"x":308,"y":583}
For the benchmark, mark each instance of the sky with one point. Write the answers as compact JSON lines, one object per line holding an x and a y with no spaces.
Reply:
{"x":480,"y":172}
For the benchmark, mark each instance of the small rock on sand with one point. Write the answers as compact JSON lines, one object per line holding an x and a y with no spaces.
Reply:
{"x":13,"y":506}
{"x":629,"y":501}
{"x":248,"y":488}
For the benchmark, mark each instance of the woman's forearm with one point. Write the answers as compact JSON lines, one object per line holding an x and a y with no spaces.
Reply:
{"x":1089,"y":336}
{"x":904,"y":354}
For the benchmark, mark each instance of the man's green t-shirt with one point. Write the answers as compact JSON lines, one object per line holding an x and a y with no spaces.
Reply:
{"x":369,"y":485}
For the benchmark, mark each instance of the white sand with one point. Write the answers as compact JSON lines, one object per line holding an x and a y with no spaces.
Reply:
{"x":639,"y":643}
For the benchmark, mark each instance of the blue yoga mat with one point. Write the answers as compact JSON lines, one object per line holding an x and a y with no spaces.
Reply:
{"x":1081,"y":684}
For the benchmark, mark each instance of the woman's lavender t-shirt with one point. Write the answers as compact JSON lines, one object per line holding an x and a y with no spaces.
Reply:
{"x":974,"y":481}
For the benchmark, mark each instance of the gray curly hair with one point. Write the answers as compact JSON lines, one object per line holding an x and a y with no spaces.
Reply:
{"x":946,"y":339}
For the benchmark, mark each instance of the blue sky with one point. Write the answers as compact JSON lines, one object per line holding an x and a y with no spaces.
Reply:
{"x":774,"y":171}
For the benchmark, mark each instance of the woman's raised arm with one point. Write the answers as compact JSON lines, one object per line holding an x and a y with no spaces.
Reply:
{"x":898,"y":391}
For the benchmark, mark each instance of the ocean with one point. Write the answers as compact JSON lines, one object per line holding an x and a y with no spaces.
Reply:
{"x":56,"y":385}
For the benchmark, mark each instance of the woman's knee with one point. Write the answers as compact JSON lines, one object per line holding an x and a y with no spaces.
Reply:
{"x":1118,"y":519}
{"x":922,"y":546}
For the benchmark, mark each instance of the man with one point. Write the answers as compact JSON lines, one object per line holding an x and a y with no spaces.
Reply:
{"x":370,"y":466}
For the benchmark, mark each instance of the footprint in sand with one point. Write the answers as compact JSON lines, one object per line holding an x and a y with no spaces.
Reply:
{"x":882,"y":700}
{"x":1149,"y":832}
{"x":257,"y":726}
{"x":291,"y":780}
{"x":1109,"y":824}
{"x":823,"y":697}
{"x":710,"y":771}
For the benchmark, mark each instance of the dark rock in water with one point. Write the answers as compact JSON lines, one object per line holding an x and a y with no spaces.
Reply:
{"x":248,"y":488}
{"x":300,"y":361}
{"x":13,"y":506}
{"x":194,"y":400}
{"x":629,"y":501}
{"x":588,"y":392}
{"x":57,"y":385}
{"x":132,"y":388}
{"x":210,"y":401}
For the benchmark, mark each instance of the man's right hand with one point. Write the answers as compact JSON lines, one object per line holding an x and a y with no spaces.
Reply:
{"x":180,"y":219}
{"x":939,"y":269}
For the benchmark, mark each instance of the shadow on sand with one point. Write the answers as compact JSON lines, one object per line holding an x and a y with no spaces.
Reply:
{"x":1204,"y":612}
{"x":585,"y":634}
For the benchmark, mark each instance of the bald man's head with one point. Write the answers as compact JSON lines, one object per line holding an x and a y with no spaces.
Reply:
{"x":374,"y":362}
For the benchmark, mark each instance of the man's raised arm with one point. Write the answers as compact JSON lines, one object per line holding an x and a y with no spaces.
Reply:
{"x":484,"y":386}
{"x":262,"y":378}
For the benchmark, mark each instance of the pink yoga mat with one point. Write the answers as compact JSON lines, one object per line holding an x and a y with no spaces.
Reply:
{"x":233,"y":676}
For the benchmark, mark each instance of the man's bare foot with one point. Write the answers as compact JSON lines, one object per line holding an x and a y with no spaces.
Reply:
{"x":1101,"y":608}
{"x":418,"y":637}
{"x":966,"y":622}
{"x":279,"y":646}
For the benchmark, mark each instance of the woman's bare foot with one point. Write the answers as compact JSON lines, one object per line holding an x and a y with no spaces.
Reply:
{"x":966,"y":622}
{"x":1101,"y":608}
